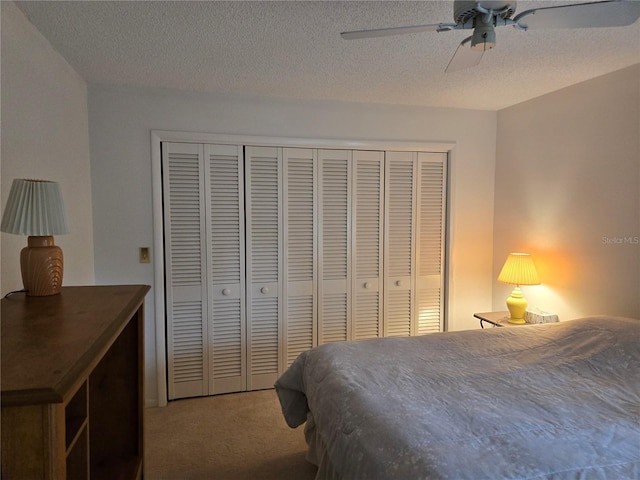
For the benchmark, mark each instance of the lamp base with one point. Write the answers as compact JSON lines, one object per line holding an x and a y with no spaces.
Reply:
{"x":517,"y":321}
{"x":517,"y":305}
{"x":41,"y":264}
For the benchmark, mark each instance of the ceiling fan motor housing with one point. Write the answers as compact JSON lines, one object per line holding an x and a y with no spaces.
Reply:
{"x":465,"y":10}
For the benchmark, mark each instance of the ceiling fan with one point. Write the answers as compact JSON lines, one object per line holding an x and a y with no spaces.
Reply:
{"x":482,"y":16}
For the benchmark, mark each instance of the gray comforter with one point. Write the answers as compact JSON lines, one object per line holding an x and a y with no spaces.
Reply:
{"x":542,"y":401}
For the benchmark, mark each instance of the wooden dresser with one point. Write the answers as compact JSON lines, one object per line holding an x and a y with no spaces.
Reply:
{"x":72,"y":384}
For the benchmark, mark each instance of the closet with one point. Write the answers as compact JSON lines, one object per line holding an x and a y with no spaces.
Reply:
{"x":270,"y":251}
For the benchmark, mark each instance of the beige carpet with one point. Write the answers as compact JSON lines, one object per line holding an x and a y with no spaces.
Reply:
{"x":239,"y":436}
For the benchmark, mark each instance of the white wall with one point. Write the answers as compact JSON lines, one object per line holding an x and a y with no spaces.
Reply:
{"x":567,"y":190}
{"x":121,"y":120}
{"x":45,"y":135}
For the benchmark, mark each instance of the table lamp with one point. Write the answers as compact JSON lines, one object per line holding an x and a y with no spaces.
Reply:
{"x":35,"y":208}
{"x":517,"y":270}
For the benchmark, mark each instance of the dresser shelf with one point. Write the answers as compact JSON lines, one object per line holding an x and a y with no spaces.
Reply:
{"x":72,"y":384}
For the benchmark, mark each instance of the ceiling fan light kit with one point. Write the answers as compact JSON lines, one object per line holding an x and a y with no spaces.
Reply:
{"x":484,"y":15}
{"x":484,"y":35}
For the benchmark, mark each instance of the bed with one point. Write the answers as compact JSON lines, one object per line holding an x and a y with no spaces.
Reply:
{"x":542,"y":401}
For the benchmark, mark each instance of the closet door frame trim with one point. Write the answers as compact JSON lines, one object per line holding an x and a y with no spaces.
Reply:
{"x":158,"y":253}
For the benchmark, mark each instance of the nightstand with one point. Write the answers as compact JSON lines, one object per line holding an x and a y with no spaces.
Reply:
{"x":496,"y":319}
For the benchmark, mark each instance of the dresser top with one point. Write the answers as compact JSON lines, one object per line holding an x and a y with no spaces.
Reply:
{"x":49,"y":344}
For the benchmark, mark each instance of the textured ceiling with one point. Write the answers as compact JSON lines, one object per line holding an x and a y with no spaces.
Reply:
{"x":294,"y":49}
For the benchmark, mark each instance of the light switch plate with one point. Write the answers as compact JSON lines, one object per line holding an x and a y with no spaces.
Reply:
{"x":144,"y":255}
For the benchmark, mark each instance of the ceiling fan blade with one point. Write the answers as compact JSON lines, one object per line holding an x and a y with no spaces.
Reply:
{"x":464,"y":57}
{"x":612,"y":13}
{"x":385,"y":32}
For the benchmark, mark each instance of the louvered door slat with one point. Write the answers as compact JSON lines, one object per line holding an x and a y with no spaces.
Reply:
{"x":400,"y":216}
{"x":400,"y":206}
{"x":228,"y":348}
{"x":300,"y":259}
{"x":264,"y":338}
{"x":334,"y":325}
{"x":263,"y":254}
{"x":367,"y":254}
{"x":431,"y":236}
{"x":399,"y":310}
{"x":188,"y":348}
{"x":334,"y":268}
{"x":225,"y":201}
{"x":186,"y":293}
{"x":299,"y":329}
{"x":367,"y":320}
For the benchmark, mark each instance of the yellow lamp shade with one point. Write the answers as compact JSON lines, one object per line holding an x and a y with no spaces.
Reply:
{"x":519,"y":269}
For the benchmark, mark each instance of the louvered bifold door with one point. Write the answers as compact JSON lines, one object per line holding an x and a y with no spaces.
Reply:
{"x":367,"y":251}
{"x":225,"y":201}
{"x":400,"y":223}
{"x":334,"y":268}
{"x":300,"y":253}
{"x":185,"y":266}
{"x":432,"y":169}
{"x":263,"y":255}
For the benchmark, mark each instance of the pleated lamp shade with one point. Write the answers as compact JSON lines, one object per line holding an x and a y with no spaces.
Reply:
{"x":35,"y":208}
{"x":519,"y":269}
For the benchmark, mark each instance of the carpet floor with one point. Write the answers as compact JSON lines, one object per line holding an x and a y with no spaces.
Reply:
{"x":240,"y":436}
